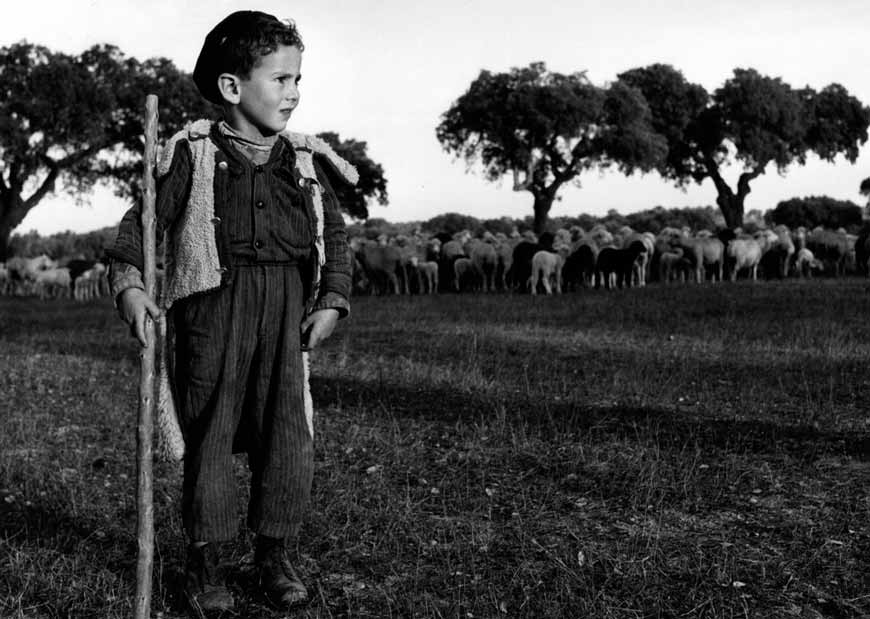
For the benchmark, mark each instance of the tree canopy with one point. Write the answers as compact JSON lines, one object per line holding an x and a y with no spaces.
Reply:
{"x":372,"y":185}
{"x":752,"y":120}
{"x":546,"y":128}
{"x":77,"y":120}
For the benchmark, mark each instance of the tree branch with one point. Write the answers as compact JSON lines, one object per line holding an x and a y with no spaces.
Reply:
{"x":520,"y":186}
{"x":54,"y":169}
{"x":46,"y":187}
{"x":713,"y":171}
{"x":71,"y":160}
{"x":743,"y":188}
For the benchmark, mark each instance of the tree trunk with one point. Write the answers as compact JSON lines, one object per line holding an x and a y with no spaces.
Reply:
{"x":731,"y":203}
{"x":731,"y":206}
{"x":11,"y":214}
{"x":5,"y":233}
{"x":543,"y":202}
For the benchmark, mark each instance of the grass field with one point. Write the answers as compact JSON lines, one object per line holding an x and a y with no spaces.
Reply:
{"x":658,"y":452}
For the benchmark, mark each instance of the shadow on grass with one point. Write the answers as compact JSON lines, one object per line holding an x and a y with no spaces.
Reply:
{"x":671,"y":428}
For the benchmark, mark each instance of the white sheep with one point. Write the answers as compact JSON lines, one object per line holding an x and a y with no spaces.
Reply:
{"x":546,"y":266}
{"x":52,"y":283}
{"x":805,"y":263}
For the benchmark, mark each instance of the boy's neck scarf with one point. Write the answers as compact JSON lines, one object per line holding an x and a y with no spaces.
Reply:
{"x":256,"y":150}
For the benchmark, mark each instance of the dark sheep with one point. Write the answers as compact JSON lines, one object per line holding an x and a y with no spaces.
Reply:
{"x":579,"y":268}
{"x":521,"y":269}
{"x":619,"y":262}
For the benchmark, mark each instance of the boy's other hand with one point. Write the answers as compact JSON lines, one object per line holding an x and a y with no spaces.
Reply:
{"x":134,"y":305}
{"x":319,"y":326}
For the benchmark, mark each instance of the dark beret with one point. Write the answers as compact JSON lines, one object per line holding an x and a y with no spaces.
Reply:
{"x":216,"y":49}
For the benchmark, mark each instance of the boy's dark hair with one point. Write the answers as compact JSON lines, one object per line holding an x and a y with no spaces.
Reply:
{"x":235,"y":46}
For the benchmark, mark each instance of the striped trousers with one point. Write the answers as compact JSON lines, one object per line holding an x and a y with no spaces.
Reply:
{"x":241,"y":387}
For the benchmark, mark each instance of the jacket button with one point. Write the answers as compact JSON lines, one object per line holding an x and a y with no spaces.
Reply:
{"x":215,"y":220}
{"x":223,"y":165}
{"x":261,"y":204}
{"x":303,"y":182}
{"x":258,"y":244}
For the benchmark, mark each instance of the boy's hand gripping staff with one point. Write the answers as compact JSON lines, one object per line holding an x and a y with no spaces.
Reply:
{"x":145,"y":428}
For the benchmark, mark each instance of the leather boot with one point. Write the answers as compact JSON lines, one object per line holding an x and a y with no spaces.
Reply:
{"x":205,"y":588}
{"x":278,"y":579}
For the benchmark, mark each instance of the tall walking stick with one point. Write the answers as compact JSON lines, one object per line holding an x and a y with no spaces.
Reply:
{"x":145,"y":431}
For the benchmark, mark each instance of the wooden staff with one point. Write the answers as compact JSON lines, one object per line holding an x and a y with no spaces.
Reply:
{"x":145,"y":431}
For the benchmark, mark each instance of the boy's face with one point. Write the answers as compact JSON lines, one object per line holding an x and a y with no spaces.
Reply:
{"x":268,"y":96}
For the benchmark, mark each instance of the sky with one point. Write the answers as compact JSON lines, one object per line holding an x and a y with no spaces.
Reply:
{"x":385,"y":71}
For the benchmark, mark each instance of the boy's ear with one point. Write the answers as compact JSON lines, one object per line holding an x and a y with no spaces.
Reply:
{"x":229,"y":87}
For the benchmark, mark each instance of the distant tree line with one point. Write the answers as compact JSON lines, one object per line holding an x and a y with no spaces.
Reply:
{"x":68,"y":244}
{"x":809,"y":212}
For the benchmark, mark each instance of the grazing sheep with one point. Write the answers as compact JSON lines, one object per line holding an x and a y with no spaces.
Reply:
{"x":783,"y":249}
{"x":745,"y":254}
{"x":88,"y":285}
{"x":429,"y":272}
{"x":832,"y":247}
{"x":673,"y":266}
{"x":53,"y":283}
{"x":521,"y":263}
{"x":521,"y":269}
{"x":546,"y":266}
{"x":704,"y":251}
{"x":380,"y":263}
{"x":805,"y":263}
{"x":484,"y":258}
{"x":408,"y":255}
{"x":644,"y":261}
{"x":505,"y":250}
{"x":455,"y":247}
{"x":617,"y":264}
{"x":463,"y":270}
{"x":23,"y":271}
{"x":580,"y":265}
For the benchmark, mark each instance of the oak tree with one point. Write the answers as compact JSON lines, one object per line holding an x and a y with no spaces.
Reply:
{"x":752,"y":120}
{"x":547,"y":128}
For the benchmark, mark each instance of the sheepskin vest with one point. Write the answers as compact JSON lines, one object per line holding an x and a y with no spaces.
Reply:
{"x":192,"y":263}
{"x":191,"y":255}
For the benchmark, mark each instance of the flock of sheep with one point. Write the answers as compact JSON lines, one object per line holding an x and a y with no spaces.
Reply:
{"x":573,"y":258}
{"x":45,"y":278}
{"x":565,"y":260}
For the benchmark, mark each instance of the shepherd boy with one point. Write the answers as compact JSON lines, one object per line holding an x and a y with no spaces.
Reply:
{"x":257,"y":271}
